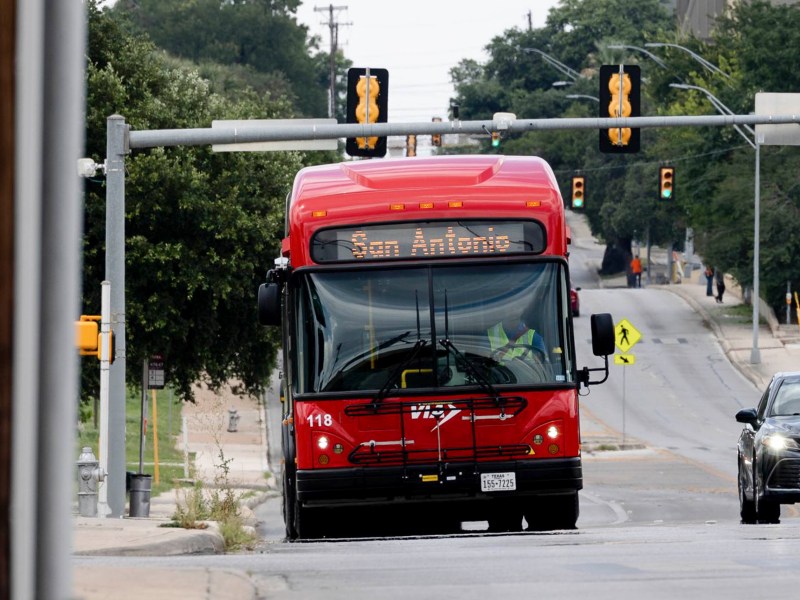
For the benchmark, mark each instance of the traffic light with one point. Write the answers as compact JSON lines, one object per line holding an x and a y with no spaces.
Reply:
{"x":436,"y":138}
{"x":666,"y":183}
{"x":411,"y":145}
{"x":367,"y":103}
{"x":495,"y":139}
{"x":88,"y":338}
{"x":619,"y":97}
{"x":578,"y":191}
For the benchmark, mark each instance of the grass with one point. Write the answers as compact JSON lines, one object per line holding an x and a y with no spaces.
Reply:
{"x":220,"y":503}
{"x":170,"y":457}
{"x":740,"y":313}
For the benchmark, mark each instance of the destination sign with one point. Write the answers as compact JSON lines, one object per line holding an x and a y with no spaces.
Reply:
{"x":427,"y":239}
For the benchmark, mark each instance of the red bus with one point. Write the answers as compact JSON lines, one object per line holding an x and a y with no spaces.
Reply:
{"x":428,"y":346}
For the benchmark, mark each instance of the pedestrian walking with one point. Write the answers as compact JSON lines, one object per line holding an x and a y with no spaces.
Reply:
{"x":709,"y":281}
{"x":636,"y":271}
{"x":719,"y":276}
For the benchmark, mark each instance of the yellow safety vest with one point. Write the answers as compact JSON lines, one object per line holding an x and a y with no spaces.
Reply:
{"x":498,"y":339}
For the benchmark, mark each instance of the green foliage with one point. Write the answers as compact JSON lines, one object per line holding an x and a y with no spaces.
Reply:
{"x":262,"y":35}
{"x":221,"y":504}
{"x":754,"y":42}
{"x":202,"y":228}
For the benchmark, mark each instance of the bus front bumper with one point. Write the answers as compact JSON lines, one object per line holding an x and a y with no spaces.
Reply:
{"x":425,"y":484}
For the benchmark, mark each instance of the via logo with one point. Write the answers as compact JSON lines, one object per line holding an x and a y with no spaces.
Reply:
{"x":441,"y":412}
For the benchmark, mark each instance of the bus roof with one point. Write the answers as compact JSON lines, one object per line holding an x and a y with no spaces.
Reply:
{"x":423,"y":188}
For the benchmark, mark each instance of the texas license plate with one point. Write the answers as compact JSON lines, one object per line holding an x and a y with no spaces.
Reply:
{"x":498,"y":482}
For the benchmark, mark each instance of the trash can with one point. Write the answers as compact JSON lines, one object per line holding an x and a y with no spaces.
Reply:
{"x":141,"y":485}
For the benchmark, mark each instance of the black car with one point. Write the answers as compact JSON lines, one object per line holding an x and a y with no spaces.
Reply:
{"x":769,"y":451}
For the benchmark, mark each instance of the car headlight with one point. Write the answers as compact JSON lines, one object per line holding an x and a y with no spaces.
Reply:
{"x":777,"y":443}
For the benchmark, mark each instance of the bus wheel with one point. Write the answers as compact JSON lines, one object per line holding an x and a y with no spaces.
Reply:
{"x":553,"y":512}
{"x":306,"y":522}
{"x":288,"y":507}
{"x":505,"y":519}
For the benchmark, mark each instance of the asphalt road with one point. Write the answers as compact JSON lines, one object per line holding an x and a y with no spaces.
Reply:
{"x":658,"y":520}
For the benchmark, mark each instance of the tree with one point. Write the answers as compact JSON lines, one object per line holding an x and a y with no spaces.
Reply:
{"x":261,"y":34}
{"x":521,"y":81}
{"x":753,"y":42}
{"x":201,"y":228}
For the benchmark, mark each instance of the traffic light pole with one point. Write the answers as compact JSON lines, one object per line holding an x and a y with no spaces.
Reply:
{"x":755,"y":353}
{"x":264,"y":133}
{"x":116,"y":149}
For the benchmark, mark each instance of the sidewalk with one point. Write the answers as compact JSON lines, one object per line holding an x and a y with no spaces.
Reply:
{"x":245,"y":453}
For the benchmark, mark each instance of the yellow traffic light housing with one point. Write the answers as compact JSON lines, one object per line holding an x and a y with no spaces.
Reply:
{"x":87,"y":336}
{"x":411,"y":145}
{"x":619,"y":97}
{"x":666,"y":183}
{"x":578,"y":191}
{"x":88,"y":339}
{"x":436,"y":138}
{"x":367,"y":95}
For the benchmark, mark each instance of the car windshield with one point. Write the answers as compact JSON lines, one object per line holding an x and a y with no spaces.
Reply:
{"x":787,"y":400}
{"x":377,"y":328}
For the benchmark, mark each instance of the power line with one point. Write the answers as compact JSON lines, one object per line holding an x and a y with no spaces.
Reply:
{"x":333,"y":26}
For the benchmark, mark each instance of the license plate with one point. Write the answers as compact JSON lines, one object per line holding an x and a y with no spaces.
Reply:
{"x":498,"y":482}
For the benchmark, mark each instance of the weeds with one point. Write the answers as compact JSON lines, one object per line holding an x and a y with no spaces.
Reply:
{"x":221,"y":503}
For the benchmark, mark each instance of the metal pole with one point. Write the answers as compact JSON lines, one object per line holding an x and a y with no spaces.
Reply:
{"x":61,"y":143}
{"x":27,"y":290}
{"x":788,"y":302}
{"x":142,"y":416}
{"x":708,"y":65}
{"x":105,"y":363}
{"x":116,"y":149}
{"x":755,"y":354}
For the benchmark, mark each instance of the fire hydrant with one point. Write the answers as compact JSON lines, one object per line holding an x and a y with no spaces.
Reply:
{"x":233,"y":420}
{"x":89,"y":475}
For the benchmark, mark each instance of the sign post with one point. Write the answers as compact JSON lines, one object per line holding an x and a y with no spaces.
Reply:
{"x":155,"y":381}
{"x":626,"y":337}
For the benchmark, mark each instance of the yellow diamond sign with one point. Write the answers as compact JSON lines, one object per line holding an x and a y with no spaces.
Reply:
{"x":626,"y":335}
{"x":624,"y":359}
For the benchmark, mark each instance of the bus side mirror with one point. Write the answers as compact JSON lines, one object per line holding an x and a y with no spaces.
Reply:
{"x":269,"y":304}
{"x":602,"y":345}
{"x":602,"y":334}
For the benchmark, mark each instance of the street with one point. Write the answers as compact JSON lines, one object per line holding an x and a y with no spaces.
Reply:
{"x":659,"y":518}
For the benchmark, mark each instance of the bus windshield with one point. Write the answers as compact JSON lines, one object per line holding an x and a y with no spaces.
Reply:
{"x":431,"y":326}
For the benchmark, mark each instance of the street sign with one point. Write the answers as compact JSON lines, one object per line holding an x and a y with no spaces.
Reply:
{"x":777,"y":104}
{"x":155,"y":372}
{"x":626,"y":335}
{"x":277,"y":124}
{"x":624,"y":359}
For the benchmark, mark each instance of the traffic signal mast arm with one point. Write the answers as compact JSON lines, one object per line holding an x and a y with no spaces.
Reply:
{"x":221,"y":135}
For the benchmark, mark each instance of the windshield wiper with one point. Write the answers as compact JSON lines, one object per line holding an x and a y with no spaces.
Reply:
{"x":479,"y":377}
{"x":395,"y":375}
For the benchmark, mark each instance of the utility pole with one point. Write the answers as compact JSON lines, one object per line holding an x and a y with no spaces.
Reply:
{"x":334,"y":35}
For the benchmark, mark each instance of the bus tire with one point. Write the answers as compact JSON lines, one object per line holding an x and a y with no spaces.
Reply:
{"x":554,"y":512}
{"x":288,"y":502}
{"x":505,"y":519}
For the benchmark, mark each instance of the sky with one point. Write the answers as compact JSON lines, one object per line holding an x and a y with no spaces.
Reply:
{"x":418,"y":41}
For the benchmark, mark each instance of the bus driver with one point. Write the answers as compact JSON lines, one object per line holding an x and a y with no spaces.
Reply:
{"x":515,"y":337}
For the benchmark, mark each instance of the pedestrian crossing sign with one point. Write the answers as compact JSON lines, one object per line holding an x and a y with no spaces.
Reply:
{"x":626,"y":335}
